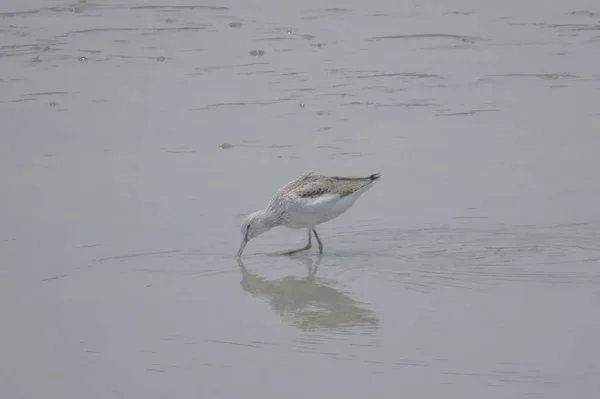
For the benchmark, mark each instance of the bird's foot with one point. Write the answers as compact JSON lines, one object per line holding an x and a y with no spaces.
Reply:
{"x":294,"y":251}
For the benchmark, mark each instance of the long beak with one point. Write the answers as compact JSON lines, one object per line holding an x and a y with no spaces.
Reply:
{"x":242,"y":246}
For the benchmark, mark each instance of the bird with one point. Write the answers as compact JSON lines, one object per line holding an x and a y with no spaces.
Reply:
{"x":304,"y":203}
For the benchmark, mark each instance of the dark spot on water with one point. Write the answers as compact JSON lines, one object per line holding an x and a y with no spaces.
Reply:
{"x":466,"y":113}
{"x":551,"y":76}
{"x":46,"y":93}
{"x":171,"y":8}
{"x":55,"y":278}
{"x":334,"y":9}
{"x":465,"y":39}
{"x":181,"y":151}
{"x":235,"y":24}
{"x":226,"y":146}
{"x":583,"y":13}
{"x":459,"y":13}
{"x":256,"y":53}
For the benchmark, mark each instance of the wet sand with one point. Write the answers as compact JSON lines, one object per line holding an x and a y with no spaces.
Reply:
{"x":136,"y":137}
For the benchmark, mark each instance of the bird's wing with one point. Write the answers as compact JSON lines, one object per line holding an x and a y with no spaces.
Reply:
{"x":289,"y":188}
{"x":321,"y":185}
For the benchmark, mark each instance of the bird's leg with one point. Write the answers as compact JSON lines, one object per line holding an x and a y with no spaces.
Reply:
{"x":308,"y":246}
{"x":318,"y":239}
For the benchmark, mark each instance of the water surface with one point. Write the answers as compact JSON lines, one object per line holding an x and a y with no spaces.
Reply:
{"x":136,"y":135}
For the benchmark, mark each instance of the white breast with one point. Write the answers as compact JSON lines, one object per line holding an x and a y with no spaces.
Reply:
{"x":309,"y":212}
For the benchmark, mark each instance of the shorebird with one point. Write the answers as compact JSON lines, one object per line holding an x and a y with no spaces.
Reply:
{"x":304,"y":203}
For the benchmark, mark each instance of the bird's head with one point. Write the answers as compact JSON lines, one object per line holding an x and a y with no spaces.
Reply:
{"x":254,"y":225}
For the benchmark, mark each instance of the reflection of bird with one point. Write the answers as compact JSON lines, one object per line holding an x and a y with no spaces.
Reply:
{"x":308,"y":303}
{"x":306,"y":202}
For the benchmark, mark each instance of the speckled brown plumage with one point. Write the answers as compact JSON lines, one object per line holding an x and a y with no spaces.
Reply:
{"x":309,"y":185}
{"x":314,"y":186}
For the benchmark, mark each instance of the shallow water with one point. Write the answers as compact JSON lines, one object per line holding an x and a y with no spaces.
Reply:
{"x":136,"y":135}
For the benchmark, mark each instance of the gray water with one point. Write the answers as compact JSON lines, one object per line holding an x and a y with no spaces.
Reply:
{"x":136,"y":135}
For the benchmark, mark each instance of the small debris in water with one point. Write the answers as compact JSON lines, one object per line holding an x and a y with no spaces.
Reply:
{"x":235,"y":24}
{"x":160,"y":59}
{"x":82,"y":59}
{"x":256,"y":53}
{"x":226,"y":146}
{"x":301,"y":105}
{"x":53,"y":104}
{"x":289,"y":31}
